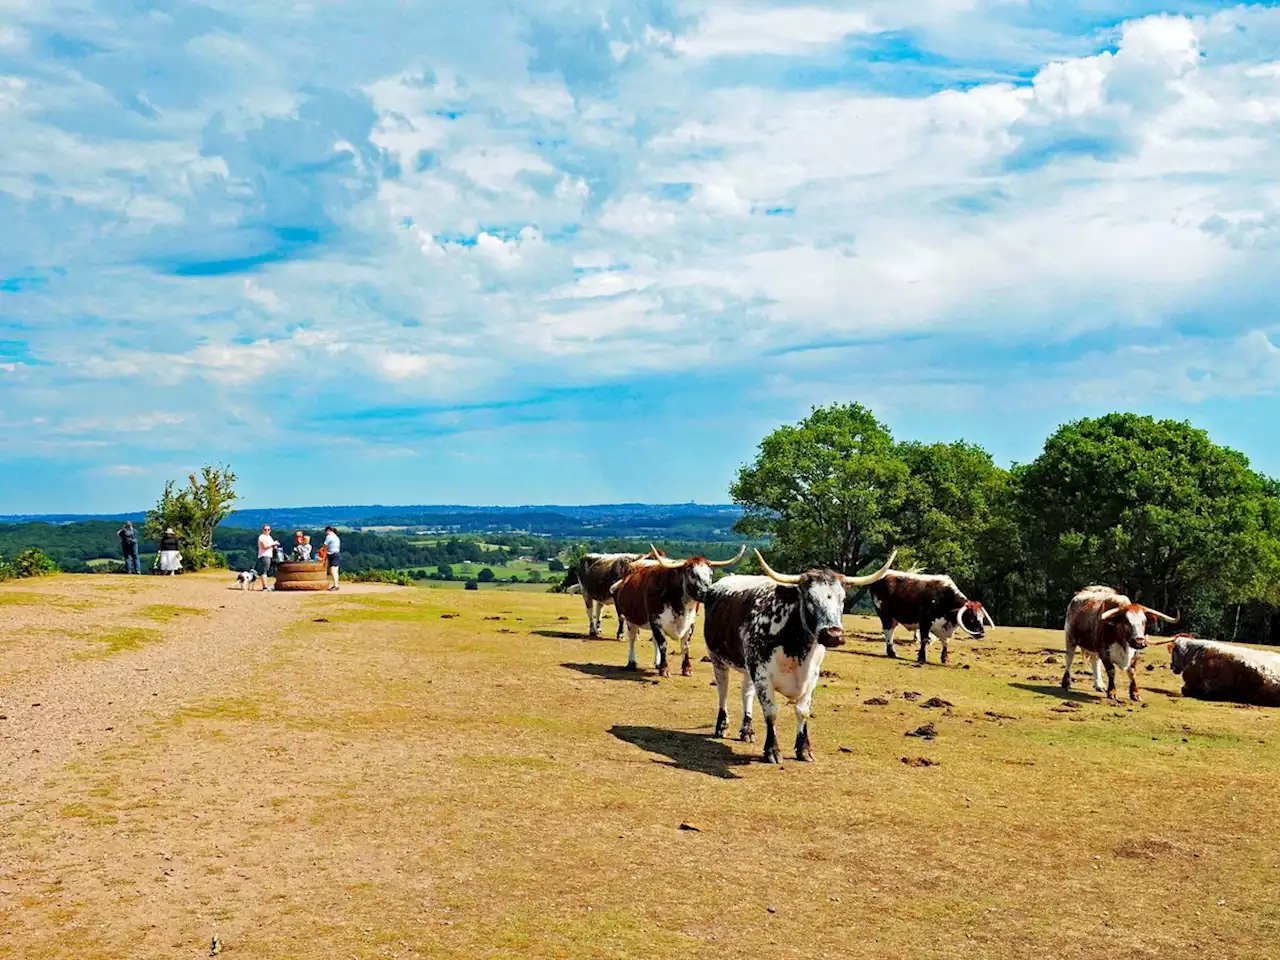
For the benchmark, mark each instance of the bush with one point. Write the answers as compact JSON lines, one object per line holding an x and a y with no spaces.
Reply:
{"x":396,"y":578}
{"x":472,"y":585}
{"x":111,"y":566}
{"x":555,"y":565}
{"x":29,"y":563}
{"x":486,"y":576}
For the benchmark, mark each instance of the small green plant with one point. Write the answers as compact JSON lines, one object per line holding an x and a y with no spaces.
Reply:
{"x":396,"y":578}
{"x":29,"y":563}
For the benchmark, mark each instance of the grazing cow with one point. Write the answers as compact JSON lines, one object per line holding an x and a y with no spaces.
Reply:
{"x":931,"y":605}
{"x":1112,"y":629}
{"x":1226,"y":671}
{"x":774,"y":630}
{"x":596,"y":574}
{"x":663,"y":594}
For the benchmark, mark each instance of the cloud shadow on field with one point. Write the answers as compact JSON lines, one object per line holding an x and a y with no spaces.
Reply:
{"x":697,"y":752}
{"x":609,"y":672}
{"x":1057,"y":693}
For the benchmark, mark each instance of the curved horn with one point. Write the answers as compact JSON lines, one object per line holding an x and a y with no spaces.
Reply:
{"x":664,"y":560}
{"x":729,"y":563}
{"x":653,"y":553}
{"x":1160,"y":616}
{"x":1108,"y":614}
{"x":986,"y":616}
{"x":872,"y":577}
{"x":786,"y":578}
{"x":960,"y":622}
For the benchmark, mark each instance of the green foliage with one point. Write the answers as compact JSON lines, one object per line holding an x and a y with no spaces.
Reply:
{"x":827,"y":491}
{"x":396,"y":578}
{"x":194,"y":513}
{"x":485,"y":576}
{"x":28,"y":563}
{"x":472,"y":585}
{"x":555,"y":565}
{"x":1155,"y":508}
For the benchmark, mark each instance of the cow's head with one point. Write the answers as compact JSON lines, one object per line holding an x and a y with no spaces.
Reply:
{"x":694,"y":571}
{"x":972,"y":618}
{"x":1128,"y":623}
{"x":821,"y":598}
{"x":1178,"y":650}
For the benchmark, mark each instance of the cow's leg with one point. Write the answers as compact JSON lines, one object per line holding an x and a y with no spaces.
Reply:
{"x":804,"y":750}
{"x":621,"y":625}
{"x":1070,"y":655}
{"x":721,"y":670}
{"x":659,"y":649}
{"x":764,"y":690}
{"x":632,"y":633}
{"x":945,"y":637}
{"x":1134,"y":693}
{"x":593,"y":629}
{"x":1095,"y":664}
{"x":686,"y":641}
{"x":747,"y":733}
{"x":1109,"y":663}
{"x":889,"y":650}
{"x":923,"y":632}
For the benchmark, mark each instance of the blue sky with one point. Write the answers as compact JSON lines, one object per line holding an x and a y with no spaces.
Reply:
{"x":576,"y":251}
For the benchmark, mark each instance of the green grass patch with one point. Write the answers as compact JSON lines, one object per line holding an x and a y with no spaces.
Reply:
{"x":167,"y":612}
{"x":86,"y":813}
{"x":121,"y":640}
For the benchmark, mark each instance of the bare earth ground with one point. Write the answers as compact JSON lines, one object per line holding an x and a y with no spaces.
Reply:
{"x":398,"y":781}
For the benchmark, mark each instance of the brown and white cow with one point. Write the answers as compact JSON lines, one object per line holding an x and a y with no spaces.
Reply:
{"x":1112,"y":630}
{"x":1226,"y":671}
{"x":595,"y":575}
{"x":664,"y":594}
{"x":929,"y":604}
{"x":774,"y":631}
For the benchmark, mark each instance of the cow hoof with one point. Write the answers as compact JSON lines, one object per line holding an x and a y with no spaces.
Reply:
{"x":773,"y":755}
{"x":747,"y":735}
{"x":891,"y":654}
{"x":664,"y":671}
{"x":686,"y":671}
{"x":946,"y":660}
{"x":1066,"y":683}
{"x":721,"y":729}
{"x":631,"y":666}
{"x":805,"y":755}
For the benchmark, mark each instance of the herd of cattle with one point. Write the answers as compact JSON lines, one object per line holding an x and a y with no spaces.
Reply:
{"x":774,"y":630}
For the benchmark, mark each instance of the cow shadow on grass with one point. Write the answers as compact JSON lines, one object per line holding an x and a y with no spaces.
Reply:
{"x":609,"y":672}
{"x":1057,"y":693}
{"x":560,"y":635}
{"x":698,"y":752}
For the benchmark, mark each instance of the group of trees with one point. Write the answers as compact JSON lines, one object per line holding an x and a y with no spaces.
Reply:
{"x":1152,"y":507}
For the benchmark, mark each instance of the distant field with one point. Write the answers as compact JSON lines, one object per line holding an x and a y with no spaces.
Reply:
{"x":389,"y":772}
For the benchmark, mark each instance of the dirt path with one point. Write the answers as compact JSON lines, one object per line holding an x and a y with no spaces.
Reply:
{"x":86,"y":661}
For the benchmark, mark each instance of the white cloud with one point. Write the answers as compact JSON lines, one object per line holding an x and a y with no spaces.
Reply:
{"x":739,"y":28}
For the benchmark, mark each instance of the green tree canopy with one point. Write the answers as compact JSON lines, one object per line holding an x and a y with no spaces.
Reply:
{"x":194,"y":513}
{"x":1153,"y":507}
{"x":826,"y":491}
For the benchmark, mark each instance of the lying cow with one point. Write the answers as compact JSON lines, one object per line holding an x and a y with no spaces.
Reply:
{"x":664,"y":594}
{"x":1112,"y":630}
{"x":1226,"y":671}
{"x":930,"y":605}
{"x":775,"y":630}
{"x":596,"y":575}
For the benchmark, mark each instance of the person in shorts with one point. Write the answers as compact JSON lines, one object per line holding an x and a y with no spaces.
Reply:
{"x":333,"y":549}
{"x":266,"y":550}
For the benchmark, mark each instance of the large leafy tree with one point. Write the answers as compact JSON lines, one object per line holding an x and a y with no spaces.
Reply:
{"x":1153,"y":507}
{"x":827,"y":491}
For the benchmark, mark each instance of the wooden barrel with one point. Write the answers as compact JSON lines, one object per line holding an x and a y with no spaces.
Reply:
{"x":299,"y":575}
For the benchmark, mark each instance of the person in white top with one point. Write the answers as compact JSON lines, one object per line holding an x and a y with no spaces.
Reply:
{"x":266,"y":547}
{"x":333,"y":551}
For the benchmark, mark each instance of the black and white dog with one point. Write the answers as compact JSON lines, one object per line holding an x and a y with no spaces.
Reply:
{"x":247,"y":578}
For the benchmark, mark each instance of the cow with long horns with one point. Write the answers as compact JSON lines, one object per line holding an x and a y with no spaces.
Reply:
{"x":594,"y":575}
{"x":664,"y":594}
{"x":929,"y":604}
{"x":774,"y":630}
{"x":1112,"y":630}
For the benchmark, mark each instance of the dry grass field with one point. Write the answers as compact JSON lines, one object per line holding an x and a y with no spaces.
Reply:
{"x":408,"y":773}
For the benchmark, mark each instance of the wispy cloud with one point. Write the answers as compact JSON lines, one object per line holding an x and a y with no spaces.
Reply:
{"x":237,"y":223}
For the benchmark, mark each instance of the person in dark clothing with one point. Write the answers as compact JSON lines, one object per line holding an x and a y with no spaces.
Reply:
{"x":129,"y":547}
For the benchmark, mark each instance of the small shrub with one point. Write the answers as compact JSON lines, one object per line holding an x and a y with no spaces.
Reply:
{"x":472,"y":585}
{"x":29,"y":563}
{"x":397,"y":578}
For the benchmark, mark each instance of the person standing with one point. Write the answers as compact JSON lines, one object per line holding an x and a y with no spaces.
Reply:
{"x":170,"y":555}
{"x":129,"y":547}
{"x":266,"y":550}
{"x":333,"y":548}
